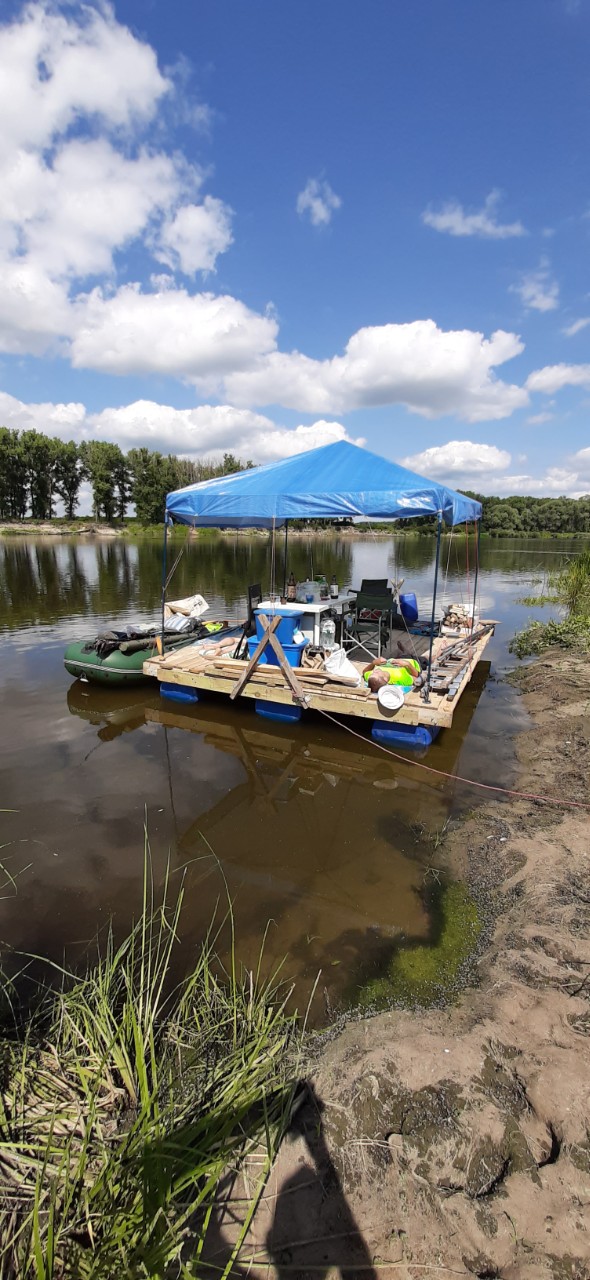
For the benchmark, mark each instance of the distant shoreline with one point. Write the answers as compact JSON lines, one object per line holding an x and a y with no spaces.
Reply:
{"x":87,"y":528}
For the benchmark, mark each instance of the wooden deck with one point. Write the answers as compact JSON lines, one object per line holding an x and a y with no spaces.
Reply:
{"x":190,"y":669}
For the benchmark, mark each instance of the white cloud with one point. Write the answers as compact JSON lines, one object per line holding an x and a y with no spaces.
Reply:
{"x":90,"y":201}
{"x":429,"y":370}
{"x":581,"y":460}
{"x":537,"y":419}
{"x":203,"y":432}
{"x":72,"y":203}
{"x":195,"y":236}
{"x":557,"y":482}
{"x":571,"y":330}
{"x":318,"y":201}
{"x":169,"y":332}
{"x":57,"y":69}
{"x":484,"y":468}
{"x":556,"y":376}
{"x":453,"y":219}
{"x":458,"y":458}
{"x":63,"y":420}
{"x":537,"y":290}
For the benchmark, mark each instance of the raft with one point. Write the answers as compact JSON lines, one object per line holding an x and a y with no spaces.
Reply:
{"x":120,"y":661}
{"x":116,"y":668}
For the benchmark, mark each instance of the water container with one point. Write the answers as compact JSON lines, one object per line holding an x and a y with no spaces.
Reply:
{"x":327,"y":633}
{"x":409,"y":606}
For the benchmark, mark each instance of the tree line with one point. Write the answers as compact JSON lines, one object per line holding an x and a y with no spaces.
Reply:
{"x":526,"y":516}
{"x":37,"y":471}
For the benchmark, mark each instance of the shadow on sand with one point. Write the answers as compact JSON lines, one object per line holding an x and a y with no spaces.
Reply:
{"x":311,"y":1230}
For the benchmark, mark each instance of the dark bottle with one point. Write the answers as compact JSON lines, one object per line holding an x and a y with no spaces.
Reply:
{"x":291,"y":588}
{"x":334,"y":588}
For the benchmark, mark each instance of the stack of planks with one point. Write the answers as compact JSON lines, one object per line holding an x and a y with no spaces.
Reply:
{"x":194,"y":662}
{"x":454,"y":662}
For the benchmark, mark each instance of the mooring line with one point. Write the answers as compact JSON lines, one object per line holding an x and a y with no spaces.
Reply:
{"x":456,"y":777}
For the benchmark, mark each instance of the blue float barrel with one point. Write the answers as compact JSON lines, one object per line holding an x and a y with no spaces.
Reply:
{"x":409,"y":606}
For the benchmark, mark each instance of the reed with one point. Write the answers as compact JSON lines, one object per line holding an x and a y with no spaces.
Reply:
{"x":570,"y":588}
{"x":126,"y":1099}
{"x":572,"y":584}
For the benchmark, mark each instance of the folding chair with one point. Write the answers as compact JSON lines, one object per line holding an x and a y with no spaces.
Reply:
{"x":370,"y":625}
{"x":249,"y":628}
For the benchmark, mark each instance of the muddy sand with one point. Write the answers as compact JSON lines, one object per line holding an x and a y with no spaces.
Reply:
{"x":456,"y":1141}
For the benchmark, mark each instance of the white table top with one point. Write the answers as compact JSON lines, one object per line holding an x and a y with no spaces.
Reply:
{"x":303,"y":606}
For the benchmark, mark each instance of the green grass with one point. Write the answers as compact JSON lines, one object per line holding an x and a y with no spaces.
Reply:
{"x":125,"y":1100}
{"x":567,"y":633}
{"x":570,"y":586}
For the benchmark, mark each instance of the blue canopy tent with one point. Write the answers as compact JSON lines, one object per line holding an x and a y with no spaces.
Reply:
{"x":335,"y":481}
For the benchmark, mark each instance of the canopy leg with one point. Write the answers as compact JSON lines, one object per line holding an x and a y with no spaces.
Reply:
{"x":433,"y":615}
{"x":164,"y":580}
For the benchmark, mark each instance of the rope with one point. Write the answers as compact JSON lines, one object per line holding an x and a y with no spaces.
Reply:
{"x":456,"y":777}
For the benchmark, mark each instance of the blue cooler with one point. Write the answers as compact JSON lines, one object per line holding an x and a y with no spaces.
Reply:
{"x":289,"y":624}
{"x":292,"y":652}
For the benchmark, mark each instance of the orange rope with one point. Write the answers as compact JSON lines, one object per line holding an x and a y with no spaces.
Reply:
{"x":456,"y":777}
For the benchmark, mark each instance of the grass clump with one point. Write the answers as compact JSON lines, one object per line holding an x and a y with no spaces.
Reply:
{"x":427,"y":972}
{"x":571,"y":589}
{"x":567,"y":633}
{"x":123,"y":1103}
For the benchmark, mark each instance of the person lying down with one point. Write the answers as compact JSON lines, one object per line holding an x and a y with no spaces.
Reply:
{"x":403,"y":670}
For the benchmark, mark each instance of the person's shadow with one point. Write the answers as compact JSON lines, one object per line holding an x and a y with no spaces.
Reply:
{"x":313,"y":1226}
{"x":313,"y":1229}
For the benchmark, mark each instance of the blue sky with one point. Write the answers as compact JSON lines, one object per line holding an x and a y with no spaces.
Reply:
{"x":265,"y":226}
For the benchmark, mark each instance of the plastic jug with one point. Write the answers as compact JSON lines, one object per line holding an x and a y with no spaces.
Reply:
{"x":327,"y":633}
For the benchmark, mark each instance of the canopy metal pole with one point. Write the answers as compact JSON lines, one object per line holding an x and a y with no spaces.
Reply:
{"x":477,"y":546}
{"x":285,"y":558}
{"x":432,"y":618}
{"x":164,"y":577}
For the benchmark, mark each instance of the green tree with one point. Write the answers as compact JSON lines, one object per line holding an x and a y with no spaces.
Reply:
{"x":13,"y":476}
{"x":151,"y":475}
{"x":40,"y":453}
{"x":102,"y":466}
{"x":68,"y":475}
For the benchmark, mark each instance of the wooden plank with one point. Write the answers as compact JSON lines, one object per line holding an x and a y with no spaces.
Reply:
{"x":260,"y":647}
{"x":287,"y":670}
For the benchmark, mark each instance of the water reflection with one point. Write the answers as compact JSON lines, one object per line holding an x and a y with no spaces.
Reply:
{"x":318,"y":832}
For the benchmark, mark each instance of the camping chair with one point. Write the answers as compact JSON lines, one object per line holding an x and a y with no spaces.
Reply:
{"x":372,"y":586}
{"x":249,"y":628}
{"x":370,"y":617}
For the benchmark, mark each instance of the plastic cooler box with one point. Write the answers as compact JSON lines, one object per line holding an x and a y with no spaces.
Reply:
{"x":289,"y":624}
{"x":292,"y":652}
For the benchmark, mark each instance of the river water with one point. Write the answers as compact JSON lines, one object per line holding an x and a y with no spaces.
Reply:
{"x":316,"y":836}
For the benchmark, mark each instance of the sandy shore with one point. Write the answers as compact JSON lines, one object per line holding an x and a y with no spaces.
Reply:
{"x":457,"y":1141}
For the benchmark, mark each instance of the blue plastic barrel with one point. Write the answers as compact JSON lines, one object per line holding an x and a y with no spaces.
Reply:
{"x":409,"y":606}
{"x":178,"y":693}
{"x":283,"y":712}
{"x":414,"y":736}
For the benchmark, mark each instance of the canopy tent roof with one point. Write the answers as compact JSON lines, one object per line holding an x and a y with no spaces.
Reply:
{"x":335,"y":481}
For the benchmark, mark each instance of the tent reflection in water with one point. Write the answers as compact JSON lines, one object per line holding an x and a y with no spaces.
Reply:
{"x":337,"y":481}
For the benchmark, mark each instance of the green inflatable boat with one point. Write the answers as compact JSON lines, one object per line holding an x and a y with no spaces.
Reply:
{"x":117,"y":657}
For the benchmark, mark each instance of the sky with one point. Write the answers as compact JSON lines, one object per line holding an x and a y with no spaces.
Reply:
{"x":262,"y":227}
